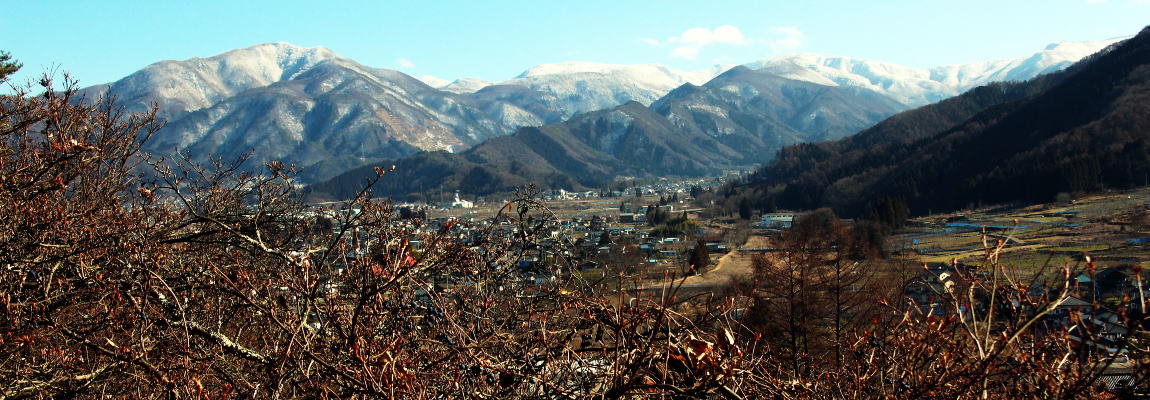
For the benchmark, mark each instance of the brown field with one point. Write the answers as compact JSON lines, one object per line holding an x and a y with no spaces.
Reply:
{"x":1054,"y":234}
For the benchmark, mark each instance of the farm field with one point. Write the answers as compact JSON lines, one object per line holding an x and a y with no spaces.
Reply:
{"x":1112,"y":228}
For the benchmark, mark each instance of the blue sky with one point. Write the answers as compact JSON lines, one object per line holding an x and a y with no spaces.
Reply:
{"x":101,"y":41}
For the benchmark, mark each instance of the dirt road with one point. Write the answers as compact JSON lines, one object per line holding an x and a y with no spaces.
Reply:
{"x":735,"y":264}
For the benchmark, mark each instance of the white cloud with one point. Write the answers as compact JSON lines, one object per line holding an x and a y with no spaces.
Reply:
{"x":730,"y":35}
{"x":651,"y":42}
{"x":692,"y":41}
{"x":787,"y":39}
{"x":404,"y":63}
{"x":697,"y":36}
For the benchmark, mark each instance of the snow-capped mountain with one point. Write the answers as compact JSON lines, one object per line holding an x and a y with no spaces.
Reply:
{"x":1054,"y":57}
{"x":916,"y":86}
{"x":909,"y":86}
{"x":458,"y":86}
{"x":309,"y":105}
{"x":184,"y":86}
{"x":580,"y":87}
{"x":739,"y":118}
{"x":434,"y":81}
{"x":756,"y":109}
{"x":319,"y":108}
{"x":648,"y":75}
{"x":465,"y":85}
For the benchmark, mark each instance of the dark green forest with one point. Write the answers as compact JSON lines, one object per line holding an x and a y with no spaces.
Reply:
{"x":1084,"y":129}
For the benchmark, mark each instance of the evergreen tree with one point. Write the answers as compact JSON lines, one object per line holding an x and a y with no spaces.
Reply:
{"x":745,"y":208}
{"x":771,"y":206}
{"x":700,"y":256}
{"x":696,"y":191}
{"x":8,"y":66}
{"x":890,"y":212}
{"x":605,"y":238}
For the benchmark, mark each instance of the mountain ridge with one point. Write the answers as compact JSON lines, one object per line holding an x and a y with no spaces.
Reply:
{"x":733,"y":121}
{"x":1074,"y":131}
{"x":920,"y":86}
{"x":328,"y":112}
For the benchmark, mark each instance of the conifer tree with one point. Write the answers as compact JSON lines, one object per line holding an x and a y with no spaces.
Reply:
{"x":700,"y":256}
{"x":8,"y":66}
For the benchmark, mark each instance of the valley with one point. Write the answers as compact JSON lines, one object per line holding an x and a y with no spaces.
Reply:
{"x":741,"y":204}
{"x":1036,"y":240}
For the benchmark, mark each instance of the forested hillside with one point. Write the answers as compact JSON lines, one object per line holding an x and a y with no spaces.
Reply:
{"x":1080,"y":130}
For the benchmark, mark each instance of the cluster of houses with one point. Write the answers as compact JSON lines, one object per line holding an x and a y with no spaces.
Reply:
{"x":661,"y":186}
{"x":602,"y":243}
{"x":609,"y":243}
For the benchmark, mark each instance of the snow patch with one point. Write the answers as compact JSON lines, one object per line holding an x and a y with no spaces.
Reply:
{"x":434,"y":82}
{"x":466,"y":85}
{"x":916,"y":86}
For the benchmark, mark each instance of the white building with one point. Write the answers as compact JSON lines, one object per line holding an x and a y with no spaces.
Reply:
{"x":460,"y":203}
{"x":777,"y":220}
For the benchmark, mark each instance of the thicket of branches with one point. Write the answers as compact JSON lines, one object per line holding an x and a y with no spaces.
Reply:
{"x":833,"y":318}
{"x":127,"y":276}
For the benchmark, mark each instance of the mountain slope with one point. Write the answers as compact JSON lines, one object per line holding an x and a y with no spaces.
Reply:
{"x":587,"y":151}
{"x":737,"y":119}
{"x":1054,"y":57}
{"x":909,"y":86}
{"x":759,"y":112}
{"x":577,"y":87}
{"x":807,"y":169}
{"x":916,"y":86}
{"x":1082,"y":131}
{"x":335,"y":110}
{"x":180,"y":87}
{"x":308,"y":106}
{"x":327,"y":113}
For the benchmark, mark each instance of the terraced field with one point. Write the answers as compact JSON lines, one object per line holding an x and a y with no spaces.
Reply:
{"x":1113,"y":229}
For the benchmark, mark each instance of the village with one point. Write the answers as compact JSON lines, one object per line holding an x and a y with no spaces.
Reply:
{"x":645,"y":238}
{"x":1103,"y":241}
